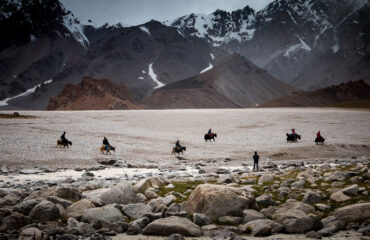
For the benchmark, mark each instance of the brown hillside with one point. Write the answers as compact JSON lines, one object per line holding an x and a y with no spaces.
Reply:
{"x":345,"y":94}
{"x":92,"y":94}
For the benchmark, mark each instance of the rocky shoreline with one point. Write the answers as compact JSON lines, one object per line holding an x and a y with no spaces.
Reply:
{"x":314,"y":199}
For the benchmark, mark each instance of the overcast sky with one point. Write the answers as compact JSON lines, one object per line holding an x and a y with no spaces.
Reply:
{"x":134,"y":12}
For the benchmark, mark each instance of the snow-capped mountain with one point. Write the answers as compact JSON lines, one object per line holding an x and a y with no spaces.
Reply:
{"x":219,"y":27}
{"x":288,"y":36}
{"x":42,"y":39}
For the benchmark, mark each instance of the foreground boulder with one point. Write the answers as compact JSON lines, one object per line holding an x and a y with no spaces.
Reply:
{"x":123,"y":193}
{"x":217,"y":201}
{"x":14,"y":221}
{"x":353,"y":213}
{"x":69,"y":193}
{"x":135,"y":211}
{"x":296,"y":221}
{"x":44,"y":211}
{"x":76,"y":209}
{"x":31,"y":233}
{"x":296,"y":217}
{"x":109,"y":214}
{"x":261,"y":227}
{"x":171,"y":225}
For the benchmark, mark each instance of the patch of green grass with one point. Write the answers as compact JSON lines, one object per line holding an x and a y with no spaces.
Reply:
{"x":180,"y":187}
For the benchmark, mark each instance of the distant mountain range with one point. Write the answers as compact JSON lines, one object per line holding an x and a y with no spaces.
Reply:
{"x":226,"y":59}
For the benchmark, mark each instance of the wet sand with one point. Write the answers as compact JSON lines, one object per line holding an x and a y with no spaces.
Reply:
{"x":147,"y":136}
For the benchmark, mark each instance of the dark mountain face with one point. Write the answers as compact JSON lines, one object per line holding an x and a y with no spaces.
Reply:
{"x":288,"y":37}
{"x":235,"y":82}
{"x":41,"y":40}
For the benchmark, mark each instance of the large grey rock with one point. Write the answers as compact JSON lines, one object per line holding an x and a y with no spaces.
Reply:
{"x":250,"y":215}
{"x":110,"y":214}
{"x":150,"y":193}
{"x":322,"y":207}
{"x":201,"y":219}
{"x":26,"y":206}
{"x":229,"y":220}
{"x":11,"y":198}
{"x":265,"y":179}
{"x":69,"y":193}
{"x":353,"y":213}
{"x":15,"y":221}
{"x":339,"y":196}
{"x":311,"y":197}
{"x":265,"y":201}
{"x":171,"y":225}
{"x":296,"y":221}
{"x":76,"y":209}
{"x":337,"y":176}
{"x":299,"y":184}
{"x":143,"y":184}
{"x":261,"y":227}
{"x":218,"y":201}
{"x":44,"y":211}
{"x":123,"y":193}
{"x":58,"y":200}
{"x":135,"y":211}
{"x":31,"y":233}
{"x":350,"y":190}
{"x":293,"y":205}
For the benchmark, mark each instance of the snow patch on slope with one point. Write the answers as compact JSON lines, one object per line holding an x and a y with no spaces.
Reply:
{"x":26,"y":93}
{"x":76,"y":30}
{"x":154,"y":77}
{"x":145,"y":29}
{"x":210,"y":66}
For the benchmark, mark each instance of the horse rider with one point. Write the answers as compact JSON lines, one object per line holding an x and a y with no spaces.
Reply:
{"x":177,"y":145}
{"x":210,"y":133}
{"x":63,"y":137}
{"x":106,"y":143}
{"x":318,"y":135}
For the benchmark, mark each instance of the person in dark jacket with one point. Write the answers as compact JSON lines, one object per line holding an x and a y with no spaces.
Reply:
{"x":63,"y":137}
{"x":255,"y":160}
{"x":106,"y":143}
{"x":177,"y":145}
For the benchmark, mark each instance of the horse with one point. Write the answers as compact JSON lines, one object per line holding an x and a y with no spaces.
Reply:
{"x":63,"y":144}
{"x":319,"y":140}
{"x":107,"y":151}
{"x":178,"y":150}
{"x":292,"y":137}
{"x":210,"y":137}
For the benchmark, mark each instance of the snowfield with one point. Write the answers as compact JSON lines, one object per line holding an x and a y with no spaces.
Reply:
{"x":147,"y":136}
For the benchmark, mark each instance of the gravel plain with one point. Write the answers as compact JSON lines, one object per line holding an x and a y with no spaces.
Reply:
{"x":147,"y":136}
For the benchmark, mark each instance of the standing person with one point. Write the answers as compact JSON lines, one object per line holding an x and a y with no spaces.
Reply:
{"x":255,"y":160}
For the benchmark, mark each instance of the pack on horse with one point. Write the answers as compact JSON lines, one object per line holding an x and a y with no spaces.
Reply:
{"x":103,"y":149}
{"x":106,"y":147}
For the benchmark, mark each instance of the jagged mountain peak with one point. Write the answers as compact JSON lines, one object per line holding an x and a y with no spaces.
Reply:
{"x":218,"y":27}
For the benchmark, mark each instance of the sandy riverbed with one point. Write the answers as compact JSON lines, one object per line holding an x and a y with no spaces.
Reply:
{"x":147,"y":136}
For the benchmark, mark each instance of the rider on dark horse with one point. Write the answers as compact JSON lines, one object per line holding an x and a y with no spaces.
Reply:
{"x":106,"y":143}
